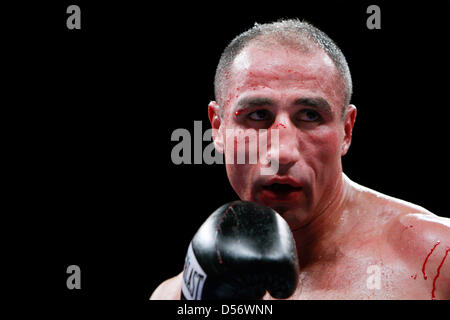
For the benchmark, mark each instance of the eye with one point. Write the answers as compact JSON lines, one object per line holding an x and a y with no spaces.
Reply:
{"x":259,"y":115}
{"x":309,"y":115}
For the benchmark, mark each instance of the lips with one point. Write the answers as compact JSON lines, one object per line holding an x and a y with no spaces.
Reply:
{"x":281,"y":190}
{"x":284,"y":181}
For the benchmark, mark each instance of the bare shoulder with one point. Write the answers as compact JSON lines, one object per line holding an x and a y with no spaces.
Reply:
{"x":415,"y":236}
{"x":430,"y":228}
{"x":414,"y":230}
{"x":169,"y":289}
{"x":422,"y":241}
{"x":405,"y":221}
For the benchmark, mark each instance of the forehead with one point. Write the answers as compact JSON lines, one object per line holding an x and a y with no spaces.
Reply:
{"x":281,"y":67}
{"x":272,"y":55}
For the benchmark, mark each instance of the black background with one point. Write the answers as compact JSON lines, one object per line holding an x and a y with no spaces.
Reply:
{"x":94,"y":110}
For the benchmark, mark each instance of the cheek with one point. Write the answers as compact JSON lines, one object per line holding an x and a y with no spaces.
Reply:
{"x":240,"y":172}
{"x":327,"y":147}
{"x":240,"y":177}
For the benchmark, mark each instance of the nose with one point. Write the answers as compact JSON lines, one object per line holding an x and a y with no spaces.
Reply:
{"x":287,"y":152}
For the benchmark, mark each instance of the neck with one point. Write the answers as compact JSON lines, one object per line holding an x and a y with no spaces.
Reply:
{"x":316,"y":239}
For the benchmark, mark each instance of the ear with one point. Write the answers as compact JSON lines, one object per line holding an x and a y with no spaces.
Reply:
{"x":349,"y":122}
{"x":216,"y":122}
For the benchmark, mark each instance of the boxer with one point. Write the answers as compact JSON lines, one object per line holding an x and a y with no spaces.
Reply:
{"x":352,"y":242}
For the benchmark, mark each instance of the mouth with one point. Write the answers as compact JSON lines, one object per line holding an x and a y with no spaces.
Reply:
{"x":281,"y":188}
{"x":281,"y":192}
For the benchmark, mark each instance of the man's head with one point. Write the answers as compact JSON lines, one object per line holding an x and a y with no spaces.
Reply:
{"x":290,"y":77}
{"x":291,"y":33}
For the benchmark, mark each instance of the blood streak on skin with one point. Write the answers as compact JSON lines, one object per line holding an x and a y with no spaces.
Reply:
{"x":407,"y":228}
{"x":280,"y":124}
{"x":437,"y":274}
{"x":238,"y":112}
{"x":426,"y":259}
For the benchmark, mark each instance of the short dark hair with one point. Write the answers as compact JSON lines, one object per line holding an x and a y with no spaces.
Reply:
{"x":292,"y":32}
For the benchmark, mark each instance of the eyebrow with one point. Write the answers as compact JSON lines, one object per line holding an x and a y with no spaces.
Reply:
{"x":315,"y":102}
{"x":254,"y":102}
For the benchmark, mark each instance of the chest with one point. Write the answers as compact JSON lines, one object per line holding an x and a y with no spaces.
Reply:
{"x":361,"y":278}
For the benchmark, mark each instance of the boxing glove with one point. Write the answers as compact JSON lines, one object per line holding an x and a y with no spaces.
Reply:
{"x":241,"y":251}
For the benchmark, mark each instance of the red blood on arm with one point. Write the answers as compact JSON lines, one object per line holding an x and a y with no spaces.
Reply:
{"x":426,"y":259}
{"x":437,"y":274}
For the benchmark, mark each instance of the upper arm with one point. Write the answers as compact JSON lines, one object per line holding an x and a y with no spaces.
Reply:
{"x":423,"y":239}
{"x":169,"y":289}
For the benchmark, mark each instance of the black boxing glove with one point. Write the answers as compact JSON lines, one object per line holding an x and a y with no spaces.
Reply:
{"x":241,"y":251}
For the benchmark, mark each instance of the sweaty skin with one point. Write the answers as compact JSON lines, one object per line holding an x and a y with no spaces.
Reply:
{"x":352,"y":242}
